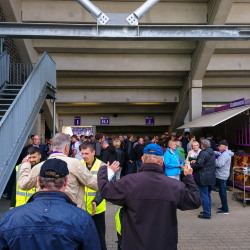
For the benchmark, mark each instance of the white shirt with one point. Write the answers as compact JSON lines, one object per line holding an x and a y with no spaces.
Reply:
{"x":76,"y":146}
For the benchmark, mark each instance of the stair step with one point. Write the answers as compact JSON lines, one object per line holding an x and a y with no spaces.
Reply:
{"x":8,"y":91}
{"x":6,"y":101}
{"x":14,"y":85}
{"x":8,"y":94}
{"x":4,"y":104}
{"x":11,"y":89}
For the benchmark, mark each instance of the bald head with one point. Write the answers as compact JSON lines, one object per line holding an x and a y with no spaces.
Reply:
{"x":141,"y":141}
{"x":105,"y":144}
{"x":36,"y":140}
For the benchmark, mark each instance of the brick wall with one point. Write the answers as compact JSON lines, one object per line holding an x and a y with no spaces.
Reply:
{"x":10,"y":47}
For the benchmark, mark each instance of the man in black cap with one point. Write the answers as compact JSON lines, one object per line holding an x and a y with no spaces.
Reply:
{"x":222,"y":172}
{"x":50,"y":220}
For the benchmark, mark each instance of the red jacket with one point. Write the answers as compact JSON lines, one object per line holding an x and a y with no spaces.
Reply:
{"x":150,"y":200}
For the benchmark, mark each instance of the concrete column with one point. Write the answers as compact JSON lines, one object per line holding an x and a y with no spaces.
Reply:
{"x":94,"y":130}
{"x":195,"y":104}
{"x":36,"y":130}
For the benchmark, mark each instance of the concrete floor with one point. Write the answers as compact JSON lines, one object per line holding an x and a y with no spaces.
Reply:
{"x":221,"y":232}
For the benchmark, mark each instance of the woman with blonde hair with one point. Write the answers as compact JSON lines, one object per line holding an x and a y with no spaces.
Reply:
{"x":120,"y":157}
{"x":172,"y":161}
{"x":193,"y":154}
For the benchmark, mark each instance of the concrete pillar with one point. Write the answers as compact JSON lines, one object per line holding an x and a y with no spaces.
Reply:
{"x":94,"y":130}
{"x":36,"y":130}
{"x":195,"y":104}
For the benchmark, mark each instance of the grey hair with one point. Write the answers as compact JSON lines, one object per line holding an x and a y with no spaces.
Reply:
{"x":51,"y":183}
{"x":60,"y":141}
{"x":148,"y":158}
{"x":178,"y":144}
{"x":206,"y":143}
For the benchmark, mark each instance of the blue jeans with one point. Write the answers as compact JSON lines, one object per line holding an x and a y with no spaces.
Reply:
{"x":206,"y":199}
{"x":222,"y":184}
{"x":129,"y":167}
{"x":139,"y":163}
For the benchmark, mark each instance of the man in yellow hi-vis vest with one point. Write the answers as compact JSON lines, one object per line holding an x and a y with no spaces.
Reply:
{"x":20,"y":197}
{"x":118,"y":219}
{"x":95,"y":204}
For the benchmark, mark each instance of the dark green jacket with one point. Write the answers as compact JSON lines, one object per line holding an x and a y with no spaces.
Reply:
{"x":181,"y":153}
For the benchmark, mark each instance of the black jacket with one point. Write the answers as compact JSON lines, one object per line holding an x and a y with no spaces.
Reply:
{"x":120,"y":156}
{"x":146,"y":142}
{"x":204,"y":168}
{"x":42,"y":152}
{"x":129,"y":154}
{"x":213,"y":145}
{"x":109,"y":155}
{"x":150,"y":200}
{"x":139,"y":148}
{"x":185,"y":142}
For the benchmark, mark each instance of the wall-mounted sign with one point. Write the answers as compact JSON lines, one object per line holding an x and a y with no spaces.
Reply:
{"x":150,"y":120}
{"x":77,"y":121}
{"x":237,"y":103}
{"x":105,"y":121}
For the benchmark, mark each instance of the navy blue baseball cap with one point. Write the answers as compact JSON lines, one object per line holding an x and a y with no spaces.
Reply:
{"x":153,"y":149}
{"x":57,"y":165}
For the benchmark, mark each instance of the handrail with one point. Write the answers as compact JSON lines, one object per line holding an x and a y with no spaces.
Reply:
{"x":17,"y":122}
{"x":4,"y":68}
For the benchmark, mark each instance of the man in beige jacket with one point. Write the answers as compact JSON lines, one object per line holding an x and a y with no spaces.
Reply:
{"x":79,"y":176}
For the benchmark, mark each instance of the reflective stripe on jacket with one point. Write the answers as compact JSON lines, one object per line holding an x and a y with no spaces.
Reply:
{"x":22,"y":196}
{"x":90,"y":193}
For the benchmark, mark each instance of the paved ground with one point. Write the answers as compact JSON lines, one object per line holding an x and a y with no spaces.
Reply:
{"x":221,"y":232}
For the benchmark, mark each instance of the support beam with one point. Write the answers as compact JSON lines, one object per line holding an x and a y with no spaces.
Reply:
{"x":195,"y":105}
{"x":120,"y":82}
{"x":218,"y":13}
{"x":140,"y":96}
{"x":123,"y":32}
{"x":69,"y":12}
{"x":121,"y":62}
{"x":12,"y":13}
{"x":117,"y":108}
{"x":115,"y":47}
{"x":134,"y":18}
{"x":94,"y":11}
{"x":224,"y":95}
{"x":223,"y":82}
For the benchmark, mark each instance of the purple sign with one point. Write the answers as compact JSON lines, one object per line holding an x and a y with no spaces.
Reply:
{"x":150,"y":120}
{"x":77,"y":121}
{"x":237,"y":103}
{"x":105,"y":121}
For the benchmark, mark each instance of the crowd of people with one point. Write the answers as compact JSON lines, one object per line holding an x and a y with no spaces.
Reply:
{"x":146,"y":176}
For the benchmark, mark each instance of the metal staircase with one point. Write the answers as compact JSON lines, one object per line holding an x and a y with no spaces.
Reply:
{"x":19,"y":107}
{"x":7,"y":96}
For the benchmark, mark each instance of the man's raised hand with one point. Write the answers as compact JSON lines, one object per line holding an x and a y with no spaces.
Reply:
{"x":187,"y":169}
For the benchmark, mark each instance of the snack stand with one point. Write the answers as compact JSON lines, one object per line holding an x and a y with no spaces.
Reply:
{"x":231,"y":122}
